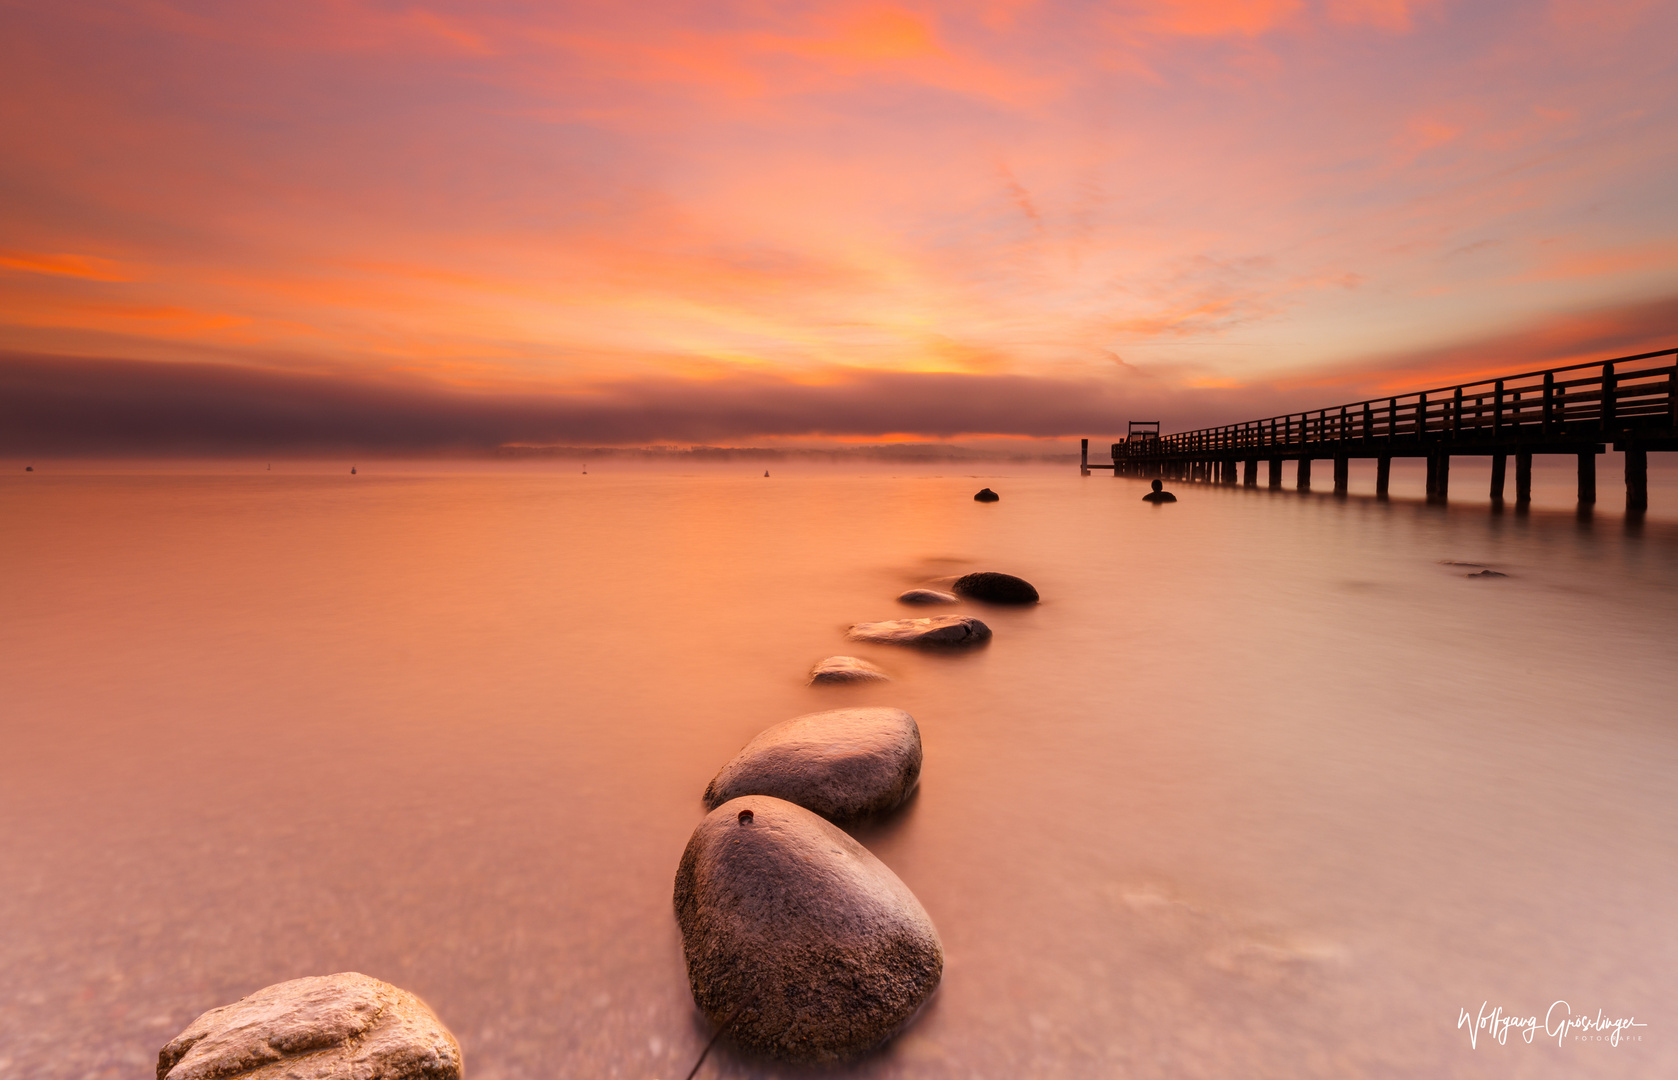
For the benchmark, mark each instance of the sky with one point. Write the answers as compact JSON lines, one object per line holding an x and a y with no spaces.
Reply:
{"x":425,"y":225}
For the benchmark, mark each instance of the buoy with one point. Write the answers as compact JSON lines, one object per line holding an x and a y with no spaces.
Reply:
{"x":766,"y":472}
{"x":352,"y":470}
{"x":29,"y":468}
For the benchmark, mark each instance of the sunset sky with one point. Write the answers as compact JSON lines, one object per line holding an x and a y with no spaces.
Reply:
{"x":409,"y":225}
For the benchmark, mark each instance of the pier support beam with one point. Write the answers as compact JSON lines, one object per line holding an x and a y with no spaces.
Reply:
{"x":1432,"y":474}
{"x":1275,"y":472}
{"x":1342,"y":474}
{"x":1383,"y":475}
{"x":1084,"y":458}
{"x":1442,"y":476}
{"x":1523,"y":478}
{"x":1637,"y":480}
{"x":1304,"y":480}
{"x":1249,"y":472}
{"x":1497,"y":477}
{"x":1587,"y":477}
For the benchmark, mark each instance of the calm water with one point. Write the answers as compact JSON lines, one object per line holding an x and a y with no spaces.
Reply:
{"x":1264,"y":788}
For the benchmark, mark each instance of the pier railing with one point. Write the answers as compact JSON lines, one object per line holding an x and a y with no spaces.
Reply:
{"x":1579,"y":402}
{"x":1629,"y":401}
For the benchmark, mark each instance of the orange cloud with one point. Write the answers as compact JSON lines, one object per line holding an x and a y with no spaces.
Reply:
{"x":86,"y":267}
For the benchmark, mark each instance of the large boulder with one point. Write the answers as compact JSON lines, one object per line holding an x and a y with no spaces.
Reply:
{"x":324,"y":1027}
{"x":995,"y":588}
{"x":927,"y":596}
{"x":843,"y":764}
{"x":846,"y":669}
{"x":804,"y":945}
{"x":938,"y":630}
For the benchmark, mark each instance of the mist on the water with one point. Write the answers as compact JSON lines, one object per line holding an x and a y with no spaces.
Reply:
{"x":1267,"y":786}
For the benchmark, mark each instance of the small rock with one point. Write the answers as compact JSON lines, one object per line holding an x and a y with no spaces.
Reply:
{"x":928,"y":596}
{"x":324,"y":1027}
{"x":938,"y":630}
{"x":1486,"y":573}
{"x":841,"y":764}
{"x":1158,"y":495}
{"x":986,"y":495}
{"x":995,"y":588}
{"x":811,"y":945}
{"x":846,"y":669}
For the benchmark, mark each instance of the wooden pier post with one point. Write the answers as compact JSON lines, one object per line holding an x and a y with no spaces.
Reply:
{"x":1587,"y":477}
{"x":1084,"y":458}
{"x":1303,"y":482}
{"x":1442,"y":476}
{"x":1497,"y":477}
{"x":1383,"y":475}
{"x":1432,"y":474}
{"x":1637,"y":478}
{"x":1249,"y":472}
{"x":1275,"y":472}
{"x":1342,"y":474}
{"x":1523,"y":477}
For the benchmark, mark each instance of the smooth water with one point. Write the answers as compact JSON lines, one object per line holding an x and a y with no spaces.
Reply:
{"x":1265,"y":787}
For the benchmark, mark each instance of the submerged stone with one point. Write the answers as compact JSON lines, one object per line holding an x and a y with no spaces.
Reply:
{"x":986,"y":495}
{"x":993,"y":588}
{"x":347,"y":1026}
{"x":927,"y":596}
{"x":841,"y":764}
{"x":801,"y":942}
{"x":846,"y":669}
{"x":944,"y":630}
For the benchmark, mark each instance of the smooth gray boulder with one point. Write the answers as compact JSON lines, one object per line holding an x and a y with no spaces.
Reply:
{"x":842,"y":764}
{"x":928,"y":596}
{"x":846,"y":669}
{"x":993,"y":588}
{"x":943,"y":630}
{"x":324,"y":1027}
{"x":805,"y":945}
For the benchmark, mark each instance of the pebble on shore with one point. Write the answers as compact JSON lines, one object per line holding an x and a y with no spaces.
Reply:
{"x":347,"y":1026}
{"x":846,"y":669}
{"x":939,"y":630}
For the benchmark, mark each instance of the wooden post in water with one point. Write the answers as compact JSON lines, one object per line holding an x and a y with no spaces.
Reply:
{"x":1637,"y":479}
{"x":1250,"y":472}
{"x":1432,"y":474}
{"x":1442,"y":477}
{"x":1497,"y":477}
{"x":1587,"y":476}
{"x":1342,"y":474}
{"x":1084,"y":458}
{"x":1275,"y":472}
{"x":1383,"y":475}
{"x":1523,"y":477}
{"x":1303,"y":481}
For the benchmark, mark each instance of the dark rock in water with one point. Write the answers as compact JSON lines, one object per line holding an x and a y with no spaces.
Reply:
{"x":842,"y":764}
{"x":791,"y":928}
{"x":846,"y":669}
{"x":928,"y":596}
{"x":938,"y":630}
{"x":324,"y":1027}
{"x":995,"y":588}
{"x":1486,"y":573}
{"x":986,"y":495}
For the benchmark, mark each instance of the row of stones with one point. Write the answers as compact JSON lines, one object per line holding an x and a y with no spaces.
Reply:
{"x":799,"y":942}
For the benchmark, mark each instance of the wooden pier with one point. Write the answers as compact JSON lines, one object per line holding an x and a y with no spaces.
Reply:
{"x":1629,"y":403}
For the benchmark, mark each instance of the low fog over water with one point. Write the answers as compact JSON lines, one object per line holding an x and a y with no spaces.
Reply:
{"x":1266,"y":786}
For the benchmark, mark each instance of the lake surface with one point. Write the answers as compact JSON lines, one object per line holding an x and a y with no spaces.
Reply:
{"x":1267,"y":786}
